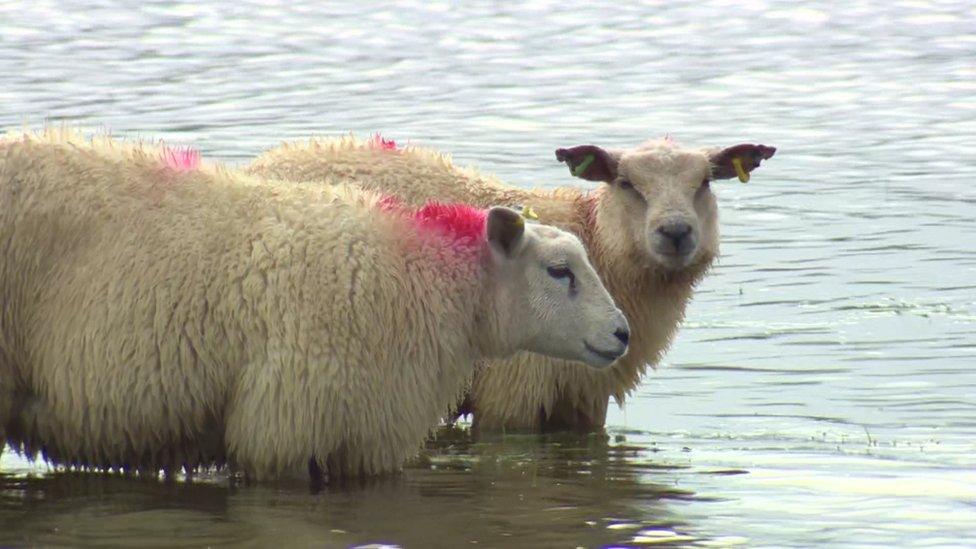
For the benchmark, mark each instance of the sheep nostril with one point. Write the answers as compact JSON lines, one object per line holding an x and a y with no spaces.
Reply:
{"x":675,"y":231}
{"x":622,"y":335}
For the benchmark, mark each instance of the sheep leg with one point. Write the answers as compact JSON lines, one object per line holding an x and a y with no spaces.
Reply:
{"x":6,"y":403}
{"x":569,"y":416}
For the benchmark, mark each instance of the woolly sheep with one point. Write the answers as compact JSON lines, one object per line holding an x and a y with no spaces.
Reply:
{"x":160,"y":313}
{"x":651,"y":231}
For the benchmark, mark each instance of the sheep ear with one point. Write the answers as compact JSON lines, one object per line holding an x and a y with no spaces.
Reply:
{"x":589,"y":162}
{"x":505,"y":230}
{"x":738,"y":160}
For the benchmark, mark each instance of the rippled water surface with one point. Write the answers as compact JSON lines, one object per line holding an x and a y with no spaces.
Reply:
{"x":823,"y":389}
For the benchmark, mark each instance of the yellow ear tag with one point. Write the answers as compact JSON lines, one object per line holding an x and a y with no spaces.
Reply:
{"x":739,"y":171}
{"x":579,"y":170}
{"x":529,"y":213}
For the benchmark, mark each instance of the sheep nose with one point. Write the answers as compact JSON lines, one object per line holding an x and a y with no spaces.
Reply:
{"x":623,"y":335}
{"x":675,"y":231}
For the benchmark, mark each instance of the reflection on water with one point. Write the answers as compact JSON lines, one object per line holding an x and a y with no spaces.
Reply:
{"x":823,"y":389}
{"x":552,"y":492}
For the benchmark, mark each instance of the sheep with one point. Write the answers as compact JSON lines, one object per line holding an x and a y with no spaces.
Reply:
{"x":164,"y":313}
{"x":651,"y":230}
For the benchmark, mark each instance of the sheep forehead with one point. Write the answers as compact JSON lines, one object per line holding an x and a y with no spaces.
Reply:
{"x":663,"y":160}
{"x":549,"y":232}
{"x":552,"y":238}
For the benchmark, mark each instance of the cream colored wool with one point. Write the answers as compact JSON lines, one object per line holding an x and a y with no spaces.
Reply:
{"x":156,"y":317}
{"x":529,"y":391}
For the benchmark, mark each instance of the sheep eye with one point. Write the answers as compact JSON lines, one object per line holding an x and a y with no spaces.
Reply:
{"x":704,"y":184}
{"x":624,"y":184}
{"x":561,"y":272}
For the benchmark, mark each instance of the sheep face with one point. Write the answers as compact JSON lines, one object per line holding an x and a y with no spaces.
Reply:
{"x":551,"y":297}
{"x":659,"y":205}
{"x":662,"y":201}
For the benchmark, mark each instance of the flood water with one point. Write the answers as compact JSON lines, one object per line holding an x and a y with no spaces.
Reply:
{"x":823,"y":389}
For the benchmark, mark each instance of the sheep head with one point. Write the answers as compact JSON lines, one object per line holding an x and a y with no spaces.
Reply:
{"x":659,"y":205}
{"x":547,"y":293}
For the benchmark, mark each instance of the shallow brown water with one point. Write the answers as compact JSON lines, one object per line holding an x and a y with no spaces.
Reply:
{"x":556,"y":492}
{"x":823,"y":389}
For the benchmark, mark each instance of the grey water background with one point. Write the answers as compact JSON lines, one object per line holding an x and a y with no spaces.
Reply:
{"x":823,"y":389}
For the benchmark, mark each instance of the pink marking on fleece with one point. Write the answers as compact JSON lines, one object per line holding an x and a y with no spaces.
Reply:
{"x":181,"y":159}
{"x":463,"y":224}
{"x":389,"y":203}
{"x":377,"y":142}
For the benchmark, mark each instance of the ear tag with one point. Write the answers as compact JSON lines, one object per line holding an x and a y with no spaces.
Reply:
{"x":529,"y":213}
{"x":578,"y":171}
{"x":739,"y":171}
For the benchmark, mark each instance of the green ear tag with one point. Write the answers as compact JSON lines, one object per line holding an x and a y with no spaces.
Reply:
{"x":578,"y":171}
{"x":529,"y":213}
{"x":739,"y":171}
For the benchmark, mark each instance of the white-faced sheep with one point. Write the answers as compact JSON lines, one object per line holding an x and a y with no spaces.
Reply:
{"x":651,"y":231}
{"x":161,"y":313}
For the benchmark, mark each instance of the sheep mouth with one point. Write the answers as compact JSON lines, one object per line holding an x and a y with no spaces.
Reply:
{"x":676,"y":255}
{"x":609,"y":356}
{"x":674,"y":260}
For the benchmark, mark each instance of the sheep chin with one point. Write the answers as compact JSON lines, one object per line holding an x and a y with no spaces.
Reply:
{"x":671,"y":262}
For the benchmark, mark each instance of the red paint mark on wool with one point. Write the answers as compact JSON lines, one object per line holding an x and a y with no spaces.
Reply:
{"x":377,"y":142}
{"x":389,"y":204}
{"x":463,"y":222}
{"x":181,"y":159}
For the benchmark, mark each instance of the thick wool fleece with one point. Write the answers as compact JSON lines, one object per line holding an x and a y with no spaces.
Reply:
{"x":528,"y":391}
{"x":161,"y":312}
